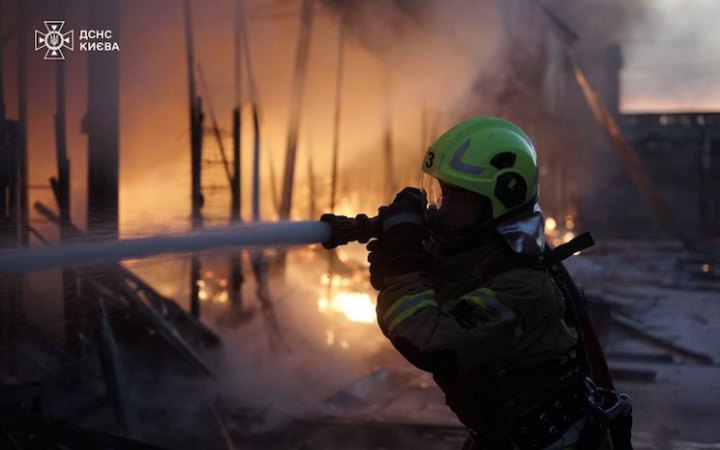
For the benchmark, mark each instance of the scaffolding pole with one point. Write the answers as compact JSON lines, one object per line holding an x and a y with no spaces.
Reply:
{"x":72,"y":305}
{"x":300,"y":73}
{"x":102,"y":126}
{"x":236,"y":268}
{"x":196,"y":136}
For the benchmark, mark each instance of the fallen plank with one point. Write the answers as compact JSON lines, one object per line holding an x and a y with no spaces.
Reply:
{"x":631,"y":326}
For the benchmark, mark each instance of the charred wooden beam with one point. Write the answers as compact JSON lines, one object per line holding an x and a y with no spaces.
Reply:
{"x":165,"y":306}
{"x":61,"y":190}
{"x":628,"y":156}
{"x":388,"y":158}
{"x":113,"y":277}
{"x":102,"y":126}
{"x":22,"y":79}
{"x":236,"y":266}
{"x":11,"y":148}
{"x":172,"y":312}
{"x":116,"y":383}
{"x":34,"y":9}
{"x":629,"y":325}
{"x":152,"y":318}
{"x":196,"y":136}
{"x":332,"y":254}
{"x":338,"y":113}
{"x":266,"y":305}
{"x":256,"y":165}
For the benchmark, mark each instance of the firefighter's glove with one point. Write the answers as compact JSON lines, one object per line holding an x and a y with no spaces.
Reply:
{"x":407,"y":208}
{"x":400,"y":249}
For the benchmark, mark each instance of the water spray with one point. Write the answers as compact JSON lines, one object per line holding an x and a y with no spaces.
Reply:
{"x":331,"y":231}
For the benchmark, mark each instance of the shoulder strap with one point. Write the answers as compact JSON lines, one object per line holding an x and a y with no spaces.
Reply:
{"x":590,"y":350}
{"x":564,"y":251}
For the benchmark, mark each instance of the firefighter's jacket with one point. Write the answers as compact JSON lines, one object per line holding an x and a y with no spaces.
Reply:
{"x":489,"y":326}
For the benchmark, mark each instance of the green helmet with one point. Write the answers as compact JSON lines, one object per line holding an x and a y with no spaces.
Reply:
{"x":489,"y":156}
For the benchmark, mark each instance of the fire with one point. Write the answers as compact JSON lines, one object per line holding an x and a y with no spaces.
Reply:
{"x":569,"y":222}
{"x":558,"y":235}
{"x":212,"y":289}
{"x":346,"y":298}
{"x":355,"y":306}
{"x":550,"y":224}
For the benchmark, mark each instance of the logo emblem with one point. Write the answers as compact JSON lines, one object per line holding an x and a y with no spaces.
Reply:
{"x":54,"y":40}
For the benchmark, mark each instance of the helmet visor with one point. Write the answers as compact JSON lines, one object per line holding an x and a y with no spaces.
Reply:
{"x":432,"y":190}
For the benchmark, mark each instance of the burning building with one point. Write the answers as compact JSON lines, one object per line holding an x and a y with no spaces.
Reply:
{"x":210,"y":114}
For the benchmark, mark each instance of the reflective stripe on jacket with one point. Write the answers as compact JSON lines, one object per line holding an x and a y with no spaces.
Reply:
{"x":465,"y":332}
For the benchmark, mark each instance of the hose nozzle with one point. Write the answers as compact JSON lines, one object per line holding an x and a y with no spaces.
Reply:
{"x":345,"y":229}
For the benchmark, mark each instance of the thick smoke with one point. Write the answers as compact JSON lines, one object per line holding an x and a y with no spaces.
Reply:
{"x":671,"y":58}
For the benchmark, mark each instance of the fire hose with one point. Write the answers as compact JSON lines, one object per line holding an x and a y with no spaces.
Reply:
{"x":331,"y":231}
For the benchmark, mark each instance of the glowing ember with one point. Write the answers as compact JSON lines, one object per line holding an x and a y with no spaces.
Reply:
{"x":329,"y":337}
{"x":213,"y":291}
{"x":558,"y":234}
{"x":550,"y":224}
{"x":569,"y":222}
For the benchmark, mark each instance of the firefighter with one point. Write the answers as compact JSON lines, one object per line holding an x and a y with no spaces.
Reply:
{"x":465,"y":293}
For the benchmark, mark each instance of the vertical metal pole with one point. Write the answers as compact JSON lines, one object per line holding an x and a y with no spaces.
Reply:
{"x":5,"y":201}
{"x":236,"y":269}
{"x":301,"y":62}
{"x":102,"y":126}
{"x":10,"y":283}
{"x":259,"y":263}
{"x":196,"y":135}
{"x":312,"y":209}
{"x":332,"y":256}
{"x":243,"y":36}
{"x":22,"y":77}
{"x":256,"y":165}
{"x":387,"y":138}
{"x":274,"y":188}
{"x":72,"y":309}
{"x":236,"y":188}
{"x":11,"y":155}
{"x":336,"y":122}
